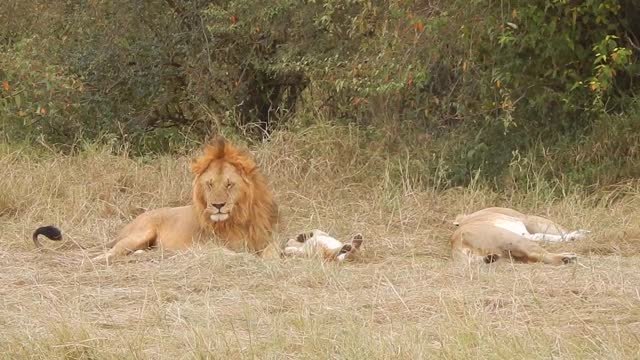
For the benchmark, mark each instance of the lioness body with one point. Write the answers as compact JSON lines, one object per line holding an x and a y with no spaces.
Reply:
{"x":493,"y":233}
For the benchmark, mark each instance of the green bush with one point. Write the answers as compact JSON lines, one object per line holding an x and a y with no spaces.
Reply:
{"x":465,"y":89}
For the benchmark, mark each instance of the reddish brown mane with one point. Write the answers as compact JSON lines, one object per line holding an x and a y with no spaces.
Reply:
{"x":253,"y":220}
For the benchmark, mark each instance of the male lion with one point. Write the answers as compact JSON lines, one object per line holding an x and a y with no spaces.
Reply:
{"x":318,"y":243}
{"x":493,"y":233}
{"x":231,"y":204}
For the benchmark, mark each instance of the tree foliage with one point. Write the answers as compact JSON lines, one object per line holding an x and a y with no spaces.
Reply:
{"x":474,"y":82}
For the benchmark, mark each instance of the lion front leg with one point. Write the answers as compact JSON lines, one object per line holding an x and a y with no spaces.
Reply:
{"x":131,"y":242}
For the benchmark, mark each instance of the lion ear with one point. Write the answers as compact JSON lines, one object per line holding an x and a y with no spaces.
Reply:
{"x":245,"y":163}
{"x":198,"y":165}
{"x":240,"y":158}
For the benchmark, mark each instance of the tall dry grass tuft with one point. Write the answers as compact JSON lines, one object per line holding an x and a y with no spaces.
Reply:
{"x":405,"y":299}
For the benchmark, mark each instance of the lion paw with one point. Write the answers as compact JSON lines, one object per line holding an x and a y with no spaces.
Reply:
{"x":104,"y":258}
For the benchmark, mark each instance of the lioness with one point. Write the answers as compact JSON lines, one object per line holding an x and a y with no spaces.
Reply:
{"x":317,"y":243}
{"x":493,"y":233}
{"x":231,"y":204}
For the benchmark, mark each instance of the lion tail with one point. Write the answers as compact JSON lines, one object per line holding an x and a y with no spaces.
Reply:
{"x":51,"y":232}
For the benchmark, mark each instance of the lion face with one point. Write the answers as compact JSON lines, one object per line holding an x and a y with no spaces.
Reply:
{"x":223,"y":188}
{"x":231,"y":197}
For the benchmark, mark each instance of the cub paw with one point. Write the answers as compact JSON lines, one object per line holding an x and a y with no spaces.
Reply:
{"x":292,"y":251}
{"x":357,"y":240}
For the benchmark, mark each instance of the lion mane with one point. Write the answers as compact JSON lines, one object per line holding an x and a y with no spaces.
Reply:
{"x":252,"y":223}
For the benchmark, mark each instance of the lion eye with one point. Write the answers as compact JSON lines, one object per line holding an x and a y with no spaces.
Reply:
{"x":229,"y":184}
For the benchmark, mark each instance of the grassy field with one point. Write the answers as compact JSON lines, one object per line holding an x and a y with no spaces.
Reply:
{"x":405,"y":298}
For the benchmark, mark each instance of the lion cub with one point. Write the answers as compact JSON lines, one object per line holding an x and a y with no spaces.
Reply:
{"x":317,"y":243}
{"x":494,"y":233}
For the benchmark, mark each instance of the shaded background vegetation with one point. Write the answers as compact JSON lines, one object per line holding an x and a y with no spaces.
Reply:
{"x":454,"y":91}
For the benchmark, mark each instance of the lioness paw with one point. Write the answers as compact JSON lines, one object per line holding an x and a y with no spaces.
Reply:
{"x":577,"y":235}
{"x":582,"y":234}
{"x":569,"y":258}
{"x":491,"y":258}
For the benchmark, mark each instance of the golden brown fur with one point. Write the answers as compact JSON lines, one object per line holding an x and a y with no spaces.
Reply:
{"x":494,"y":233}
{"x":232,"y":205}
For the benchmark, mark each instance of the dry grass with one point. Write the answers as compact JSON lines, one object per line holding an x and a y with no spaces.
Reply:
{"x":404,"y":300}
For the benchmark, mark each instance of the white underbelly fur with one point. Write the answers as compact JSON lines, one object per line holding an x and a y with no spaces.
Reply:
{"x":320,"y":239}
{"x":514,"y":226}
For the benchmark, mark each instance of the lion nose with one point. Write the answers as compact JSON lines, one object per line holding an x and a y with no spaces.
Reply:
{"x":218,"y":206}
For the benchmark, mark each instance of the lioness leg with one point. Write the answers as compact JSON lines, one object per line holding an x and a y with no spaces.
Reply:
{"x":542,"y":229}
{"x":551,"y":258}
{"x":544,"y":237}
{"x":560,"y":258}
{"x":540,"y":225}
{"x":474,"y":256}
{"x":528,"y":252}
{"x":571,"y":236}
